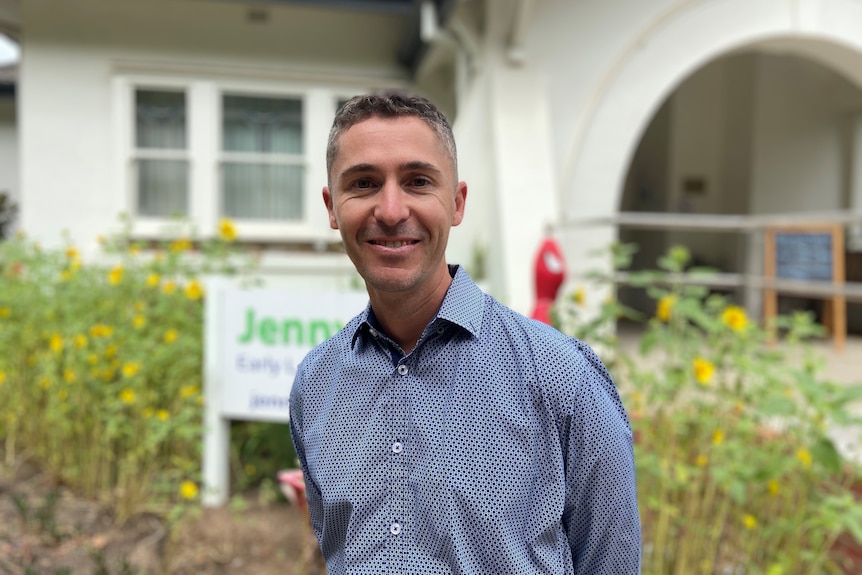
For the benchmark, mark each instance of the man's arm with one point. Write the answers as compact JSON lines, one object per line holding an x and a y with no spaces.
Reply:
{"x":601,"y":513}
{"x":312,"y":492}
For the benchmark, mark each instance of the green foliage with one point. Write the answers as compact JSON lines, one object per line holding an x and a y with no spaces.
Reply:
{"x":736,"y":471}
{"x":101,"y":363}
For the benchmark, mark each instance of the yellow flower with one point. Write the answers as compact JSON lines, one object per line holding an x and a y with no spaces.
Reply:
{"x":181,"y":245}
{"x":65,"y":275}
{"x":153,"y":280}
{"x":734,"y":317}
{"x":115,"y":276}
{"x":80,"y":341}
{"x":2,"y":377}
{"x":701,"y":461}
{"x":92,"y":359}
{"x":101,"y":330}
{"x":134,"y":249}
{"x":774,"y":487}
{"x":171,"y":336}
{"x":110,"y":351}
{"x":226,"y":230}
{"x":193,"y":290}
{"x":69,"y":376}
{"x":163,"y":415}
{"x":5,"y":312}
{"x":139,"y":306}
{"x":250,"y":469}
{"x":127,"y":396}
{"x":703,"y":371}
{"x":131,"y":368}
{"x":139,"y":321}
{"x":188,"y":391}
{"x":45,"y":383}
{"x":169,"y":287}
{"x":56,"y":343}
{"x":580,"y":295}
{"x":718,"y":436}
{"x":147,"y":413}
{"x":188,"y":490}
{"x":665,"y":305}
{"x":63,"y":394}
{"x":804,"y":457}
{"x":749,"y":521}
{"x":72,"y":253}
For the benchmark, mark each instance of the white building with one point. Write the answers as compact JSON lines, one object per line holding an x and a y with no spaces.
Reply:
{"x":563,"y":111}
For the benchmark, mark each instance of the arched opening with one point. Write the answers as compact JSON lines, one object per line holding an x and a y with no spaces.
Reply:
{"x":771,"y":128}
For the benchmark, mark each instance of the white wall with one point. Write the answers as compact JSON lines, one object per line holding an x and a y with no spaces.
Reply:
{"x":800,"y":138}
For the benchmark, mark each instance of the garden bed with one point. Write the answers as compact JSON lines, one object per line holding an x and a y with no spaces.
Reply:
{"x":46,"y":529}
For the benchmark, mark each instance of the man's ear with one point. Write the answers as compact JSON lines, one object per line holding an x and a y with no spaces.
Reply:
{"x":460,"y":200}
{"x":327,"y":199}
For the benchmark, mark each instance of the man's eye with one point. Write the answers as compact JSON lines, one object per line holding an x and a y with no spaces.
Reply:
{"x":419,"y":181}
{"x":363,"y":183}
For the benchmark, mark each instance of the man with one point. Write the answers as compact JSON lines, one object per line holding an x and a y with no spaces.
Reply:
{"x":439,"y":431}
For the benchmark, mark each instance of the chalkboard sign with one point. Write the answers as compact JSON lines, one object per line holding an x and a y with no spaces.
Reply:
{"x":805,"y":252}
{"x":803,"y":256}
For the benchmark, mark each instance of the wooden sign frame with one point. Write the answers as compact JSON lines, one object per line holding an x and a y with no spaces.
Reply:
{"x":835,"y":309}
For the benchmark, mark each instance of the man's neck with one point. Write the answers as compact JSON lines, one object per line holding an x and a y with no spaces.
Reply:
{"x":404,"y":317}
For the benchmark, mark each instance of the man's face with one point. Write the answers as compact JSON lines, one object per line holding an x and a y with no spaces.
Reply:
{"x":393,"y":197}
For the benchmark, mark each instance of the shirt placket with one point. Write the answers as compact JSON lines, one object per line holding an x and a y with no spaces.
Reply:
{"x":399,"y":521}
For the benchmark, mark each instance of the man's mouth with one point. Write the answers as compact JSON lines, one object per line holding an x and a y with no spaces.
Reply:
{"x":392,"y":244}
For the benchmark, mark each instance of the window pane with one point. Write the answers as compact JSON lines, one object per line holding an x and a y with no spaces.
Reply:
{"x":160,"y":119}
{"x":262,"y":191}
{"x":162,"y":186}
{"x":262,"y":125}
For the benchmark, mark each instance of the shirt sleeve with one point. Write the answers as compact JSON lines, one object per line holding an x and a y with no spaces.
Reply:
{"x":312,"y":492}
{"x":601,"y":514}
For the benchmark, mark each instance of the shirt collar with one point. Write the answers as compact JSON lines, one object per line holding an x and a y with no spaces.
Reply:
{"x":463,"y":305}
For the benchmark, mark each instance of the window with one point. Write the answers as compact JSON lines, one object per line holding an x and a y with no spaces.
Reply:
{"x":262,"y":153}
{"x":160,"y":153}
{"x":207,"y":148}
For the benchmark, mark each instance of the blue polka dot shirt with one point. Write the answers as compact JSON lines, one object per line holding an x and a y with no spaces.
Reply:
{"x":498,"y":445}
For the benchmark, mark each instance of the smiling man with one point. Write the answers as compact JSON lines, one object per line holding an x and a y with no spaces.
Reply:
{"x":439,"y":431}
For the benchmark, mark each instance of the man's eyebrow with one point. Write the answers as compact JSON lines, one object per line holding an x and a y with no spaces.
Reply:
{"x":365,"y":168}
{"x":421,"y":166}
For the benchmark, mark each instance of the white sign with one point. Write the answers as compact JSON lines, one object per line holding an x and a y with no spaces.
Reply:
{"x":266,"y":334}
{"x":254,"y":341}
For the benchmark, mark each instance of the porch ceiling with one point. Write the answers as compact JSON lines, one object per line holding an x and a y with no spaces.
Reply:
{"x":411,"y":49}
{"x":10,"y":18}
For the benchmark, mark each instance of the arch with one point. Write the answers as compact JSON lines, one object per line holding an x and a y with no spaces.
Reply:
{"x":669,"y":49}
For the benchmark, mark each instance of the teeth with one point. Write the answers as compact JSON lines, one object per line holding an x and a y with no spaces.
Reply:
{"x":394,"y":244}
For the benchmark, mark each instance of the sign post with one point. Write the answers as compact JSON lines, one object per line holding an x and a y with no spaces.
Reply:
{"x":254,"y":342}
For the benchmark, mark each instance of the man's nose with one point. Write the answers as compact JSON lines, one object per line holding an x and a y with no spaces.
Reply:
{"x":392,"y":206}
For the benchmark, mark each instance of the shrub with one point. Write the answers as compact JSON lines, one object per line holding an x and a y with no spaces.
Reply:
{"x":100,"y":363}
{"x":736,"y":471}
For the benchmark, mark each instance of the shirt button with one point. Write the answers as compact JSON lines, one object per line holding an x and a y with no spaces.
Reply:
{"x":402,"y":369}
{"x":372,"y":331}
{"x":440,"y":330}
{"x":395,"y":529}
{"x":397,"y":447}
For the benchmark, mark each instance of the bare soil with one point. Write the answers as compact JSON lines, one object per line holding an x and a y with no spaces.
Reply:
{"x":46,"y":529}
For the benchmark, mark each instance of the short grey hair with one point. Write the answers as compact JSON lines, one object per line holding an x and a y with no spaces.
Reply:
{"x":390,"y":104}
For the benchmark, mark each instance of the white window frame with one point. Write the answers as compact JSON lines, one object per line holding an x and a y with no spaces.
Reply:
{"x":205,"y":156}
